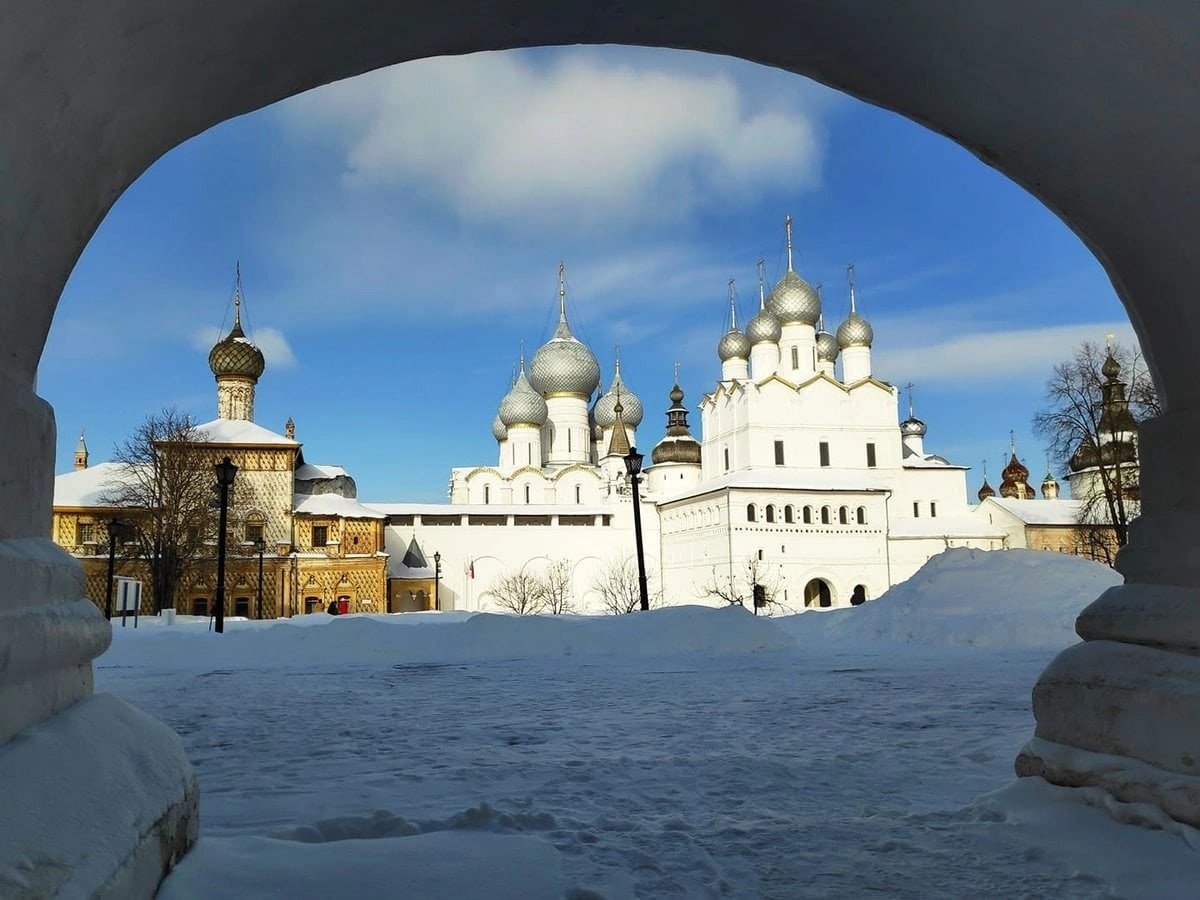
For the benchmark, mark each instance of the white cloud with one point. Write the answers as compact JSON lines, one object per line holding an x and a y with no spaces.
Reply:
{"x":968,"y":359}
{"x":583,"y":140}
{"x":271,"y":341}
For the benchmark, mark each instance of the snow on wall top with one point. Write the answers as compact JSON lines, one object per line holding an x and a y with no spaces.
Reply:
{"x":1039,"y":512}
{"x":85,"y":487}
{"x":1014,"y":599}
{"x":937,"y":526}
{"x":314,"y":472}
{"x":238,"y":431}
{"x":334,"y":505}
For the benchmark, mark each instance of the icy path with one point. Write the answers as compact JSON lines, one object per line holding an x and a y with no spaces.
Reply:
{"x":778,"y":774}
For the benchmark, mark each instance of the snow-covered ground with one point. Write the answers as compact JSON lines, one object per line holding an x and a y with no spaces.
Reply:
{"x":685,"y":752}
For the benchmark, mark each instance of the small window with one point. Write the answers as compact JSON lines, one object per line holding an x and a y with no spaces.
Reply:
{"x":241,"y":607}
{"x":726,"y":459}
{"x":795,"y":357}
{"x":751,"y":513}
{"x":779,"y":453}
{"x":578,"y":494}
{"x":870,"y":456}
{"x":568,"y":440}
{"x":770,"y":512}
{"x":254,"y":534}
{"x":916,"y":510}
{"x":760,"y":556}
{"x":824,"y":515}
{"x":789,"y":515}
{"x":526,"y":493}
{"x":529,"y":454}
{"x":199,"y":607}
{"x":487,"y":493}
{"x":320,"y":535}
{"x":843,"y":516}
{"x":861,"y":515}
{"x":933,"y":510}
{"x":808,"y":515}
{"x":87,"y":532}
{"x":823,"y":447}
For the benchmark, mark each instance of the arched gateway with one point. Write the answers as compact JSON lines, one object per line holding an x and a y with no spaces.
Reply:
{"x":1091,"y":108}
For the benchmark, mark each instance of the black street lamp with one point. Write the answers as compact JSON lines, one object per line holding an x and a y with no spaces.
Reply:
{"x":114,"y":528}
{"x":437,"y":580}
{"x":260,"y":545}
{"x":226,"y":472}
{"x":633,"y":465}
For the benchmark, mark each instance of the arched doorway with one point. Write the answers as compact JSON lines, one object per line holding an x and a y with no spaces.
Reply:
{"x":133,"y":80}
{"x":817,"y":594}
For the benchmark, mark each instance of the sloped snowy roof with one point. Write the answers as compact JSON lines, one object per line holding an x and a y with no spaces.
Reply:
{"x":238,"y":431}
{"x":929,"y":461}
{"x":1039,"y":512}
{"x":313,"y":472}
{"x":488,"y":509}
{"x":944,"y":526}
{"x":334,"y":505}
{"x":793,"y":479}
{"x":85,"y":487}
{"x":402,"y":561}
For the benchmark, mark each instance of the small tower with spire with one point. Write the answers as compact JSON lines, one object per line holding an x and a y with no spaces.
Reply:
{"x":1049,"y":484}
{"x":734,"y":347}
{"x":797,"y":306}
{"x":676,"y":458}
{"x":763,"y":332}
{"x":912,"y":429}
{"x":604,"y":413}
{"x":237,"y":365}
{"x":854,"y":337}
{"x":81,"y":454}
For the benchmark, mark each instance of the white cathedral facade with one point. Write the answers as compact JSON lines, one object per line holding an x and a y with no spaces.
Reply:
{"x":803,"y":479}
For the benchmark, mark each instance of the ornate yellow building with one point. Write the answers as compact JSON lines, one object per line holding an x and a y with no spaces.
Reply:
{"x":297,"y":524}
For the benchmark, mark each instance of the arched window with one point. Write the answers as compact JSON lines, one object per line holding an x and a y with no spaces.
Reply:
{"x":808,"y":515}
{"x":795,"y":357}
{"x":751,"y":513}
{"x":818,"y":594}
{"x":859,"y":597}
{"x":487,"y":493}
{"x":843,"y":516}
{"x":861,"y":515}
{"x":578,"y":494}
{"x":824,"y":515}
{"x":789,"y":514}
{"x":770,"y":512}
{"x":526,"y":493}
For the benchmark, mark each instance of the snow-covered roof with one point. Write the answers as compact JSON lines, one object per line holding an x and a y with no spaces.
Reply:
{"x":238,"y":431}
{"x":929,"y":461}
{"x":334,"y":505}
{"x":1039,"y":512}
{"x":314,"y":472}
{"x":786,"y":479}
{"x":943,"y":526}
{"x":85,"y":487}
{"x":489,"y":509}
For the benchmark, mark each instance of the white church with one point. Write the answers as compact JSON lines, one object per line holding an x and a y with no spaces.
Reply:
{"x":803,"y":478}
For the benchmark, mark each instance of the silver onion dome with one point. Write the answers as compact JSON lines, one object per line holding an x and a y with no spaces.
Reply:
{"x":913,"y":426}
{"x":764,"y":327}
{"x":794,"y":300}
{"x":734,"y":345}
{"x":631,"y":407}
{"x":235,"y":355}
{"x":563,"y":365}
{"x":522,"y":405}
{"x":499,"y":429}
{"x":827,"y":347}
{"x":855,"y":332}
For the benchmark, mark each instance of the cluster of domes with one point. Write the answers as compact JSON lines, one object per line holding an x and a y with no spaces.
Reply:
{"x":522,"y":405}
{"x":235,"y":356}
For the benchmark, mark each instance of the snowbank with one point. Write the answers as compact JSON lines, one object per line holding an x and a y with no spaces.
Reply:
{"x":370,"y":640}
{"x":1013,"y":599}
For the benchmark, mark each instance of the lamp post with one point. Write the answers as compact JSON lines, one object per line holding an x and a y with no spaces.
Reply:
{"x":633,"y":465}
{"x":114,"y":528}
{"x":260,"y":545}
{"x":437,"y":580}
{"x":226,"y":471}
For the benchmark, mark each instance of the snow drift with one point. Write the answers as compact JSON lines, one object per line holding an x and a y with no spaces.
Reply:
{"x":1014,"y":599}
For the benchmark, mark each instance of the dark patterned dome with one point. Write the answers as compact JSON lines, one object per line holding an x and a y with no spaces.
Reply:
{"x":913,"y":426}
{"x":235,"y":356}
{"x":985,"y":491}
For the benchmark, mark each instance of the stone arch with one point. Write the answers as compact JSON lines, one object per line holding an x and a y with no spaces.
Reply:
{"x":818,"y":594}
{"x":130,"y":82}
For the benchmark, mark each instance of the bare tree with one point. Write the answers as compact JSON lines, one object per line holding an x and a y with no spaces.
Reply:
{"x":520,"y":593}
{"x":616,"y":582}
{"x":739,"y":586}
{"x":555,"y":585}
{"x":164,"y":481}
{"x":1089,"y":423}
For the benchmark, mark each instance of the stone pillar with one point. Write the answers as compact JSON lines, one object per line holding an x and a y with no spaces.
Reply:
{"x":114,"y":782}
{"x":1121,"y":711}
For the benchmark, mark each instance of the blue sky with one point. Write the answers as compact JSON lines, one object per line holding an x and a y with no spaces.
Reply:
{"x":399,"y":236}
